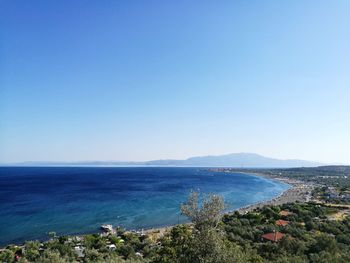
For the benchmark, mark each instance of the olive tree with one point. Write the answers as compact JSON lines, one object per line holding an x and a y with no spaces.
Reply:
{"x":208,"y":243}
{"x":206,"y":214}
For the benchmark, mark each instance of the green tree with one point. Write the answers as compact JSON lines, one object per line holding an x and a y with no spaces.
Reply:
{"x":50,"y":256}
{"x":31,"y":251}
{"x":92,"y":255}
{"x":208,"y":243}
{"x":206,"y":214}
{"x":7,"y":256}
{"x":324,"y":243}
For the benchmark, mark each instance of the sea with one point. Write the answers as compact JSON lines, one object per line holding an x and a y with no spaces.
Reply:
{"x":76,"y":200}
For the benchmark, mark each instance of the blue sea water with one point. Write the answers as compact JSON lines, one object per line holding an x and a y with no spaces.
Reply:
{"x":74,"y":200}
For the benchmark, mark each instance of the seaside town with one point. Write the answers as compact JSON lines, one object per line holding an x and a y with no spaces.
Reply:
{"x":174,"y":131}
{"x":308,"y":223}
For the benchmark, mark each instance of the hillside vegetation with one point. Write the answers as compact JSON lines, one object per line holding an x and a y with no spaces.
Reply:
{"x":307,"y":232}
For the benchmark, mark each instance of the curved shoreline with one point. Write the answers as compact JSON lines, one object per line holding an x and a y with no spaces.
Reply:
{"x":298,"y":192}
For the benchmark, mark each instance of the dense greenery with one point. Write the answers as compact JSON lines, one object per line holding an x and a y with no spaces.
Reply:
{"x":310,"y":236}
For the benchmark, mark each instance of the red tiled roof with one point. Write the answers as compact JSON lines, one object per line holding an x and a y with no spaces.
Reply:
{"x":285,"y":213}
{"x":282,"y":222}
{"x":274,"y":236}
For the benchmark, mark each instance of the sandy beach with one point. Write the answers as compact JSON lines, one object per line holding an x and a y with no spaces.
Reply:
{"x":299,"y":192}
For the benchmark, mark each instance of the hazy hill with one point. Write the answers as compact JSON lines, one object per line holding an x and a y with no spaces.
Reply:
{"x":239,"y":160}
{"x":236,"y":160}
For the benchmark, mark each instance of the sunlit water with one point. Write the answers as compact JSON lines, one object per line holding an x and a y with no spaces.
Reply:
{"x":70,"y":200}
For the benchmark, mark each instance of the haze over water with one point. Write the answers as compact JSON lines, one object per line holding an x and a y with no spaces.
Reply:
{"x":68,"y":200}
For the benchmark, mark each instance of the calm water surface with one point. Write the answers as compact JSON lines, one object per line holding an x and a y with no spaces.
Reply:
{"x":71,"y":200}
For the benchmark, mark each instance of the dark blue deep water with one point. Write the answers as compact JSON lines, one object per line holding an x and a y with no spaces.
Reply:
{"x":71,"y":200}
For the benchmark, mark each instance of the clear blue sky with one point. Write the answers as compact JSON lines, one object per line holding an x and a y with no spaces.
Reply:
{"x":140,"y":80}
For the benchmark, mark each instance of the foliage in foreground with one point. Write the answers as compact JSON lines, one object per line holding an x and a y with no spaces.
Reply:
{"x":310,"y":236}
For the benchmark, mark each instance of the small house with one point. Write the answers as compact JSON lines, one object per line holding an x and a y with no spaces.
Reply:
{"x":285,"y":213}
{"x":282,"y":222}
{"x":274,"y":236}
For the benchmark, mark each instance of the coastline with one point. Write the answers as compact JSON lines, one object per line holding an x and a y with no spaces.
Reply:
{"x":298,"y":192}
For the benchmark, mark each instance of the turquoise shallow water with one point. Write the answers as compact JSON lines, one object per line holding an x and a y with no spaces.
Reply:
{"x":71,"y":200}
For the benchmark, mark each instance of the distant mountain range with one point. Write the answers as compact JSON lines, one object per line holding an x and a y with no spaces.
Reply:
{"x":237,"y":160}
